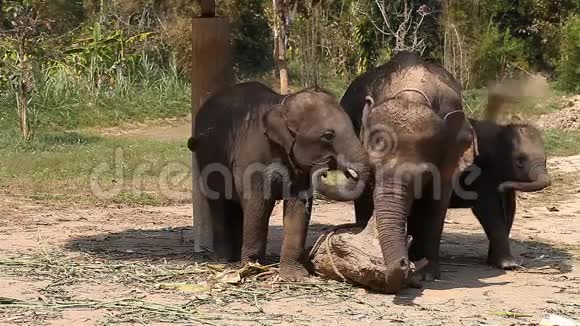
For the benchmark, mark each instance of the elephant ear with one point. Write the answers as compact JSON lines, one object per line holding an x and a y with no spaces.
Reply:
{"x":469,"y":155}
{"x":369,"y":103}
{"x":455,"y":124}
{"x":278,"y":128}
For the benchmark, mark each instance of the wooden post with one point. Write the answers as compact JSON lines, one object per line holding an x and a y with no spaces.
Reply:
{"x":212,"y":70}
{"x":207,"y":8}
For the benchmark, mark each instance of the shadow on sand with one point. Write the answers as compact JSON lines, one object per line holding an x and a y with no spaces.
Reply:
{"x":174,"y":244}
{"x":462,"y":257}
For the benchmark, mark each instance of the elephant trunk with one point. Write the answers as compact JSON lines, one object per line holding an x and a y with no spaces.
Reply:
{"x":540,"y":180}
{"x":392,"y":204}
{"x":540,"y":183}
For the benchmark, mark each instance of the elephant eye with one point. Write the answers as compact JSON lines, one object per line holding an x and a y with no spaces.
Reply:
{"x":328,"y":136}
{"x":520,"y":161}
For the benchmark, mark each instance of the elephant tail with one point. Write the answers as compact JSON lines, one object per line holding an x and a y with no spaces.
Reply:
{"x":191,"y":142}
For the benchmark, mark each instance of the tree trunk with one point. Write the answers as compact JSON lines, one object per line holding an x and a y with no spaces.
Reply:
{"x":23,"y":108}
{"x":211,"y":71}
{"x":2,"y":24}
{"x":207,"y":8}
{"x":351,"y":254}
{"x":281,"y":28}
{"x":23,"y":91}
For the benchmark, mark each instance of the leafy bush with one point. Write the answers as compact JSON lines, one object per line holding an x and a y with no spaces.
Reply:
{"x":251,"y":38}
{"x":64,"y":99}
{"x":569,"y":65}
{"x":495,"y":54}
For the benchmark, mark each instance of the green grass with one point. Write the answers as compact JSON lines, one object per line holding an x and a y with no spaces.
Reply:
{"x":95,"y":170}
{"x":562,"y":142}
{"x":63,"y":100}
{"x":61,"y":165}
{"x":475,"y":102}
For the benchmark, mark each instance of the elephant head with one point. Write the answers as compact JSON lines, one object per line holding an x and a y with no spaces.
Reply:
{"x":525,"y":167}
{"x":317,"y":136}
{"x":408,"y":145}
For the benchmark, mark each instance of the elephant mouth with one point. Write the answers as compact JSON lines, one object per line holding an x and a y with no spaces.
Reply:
{"x":342,"y":183}
{"x":349,"y":173}
{"x":337,"y":177}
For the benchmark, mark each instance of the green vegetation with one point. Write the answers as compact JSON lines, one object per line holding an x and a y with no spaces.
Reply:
{"x":95,"y":170}
{"x":569,"y":64}
{"x":63,"y":101}
{"x":66,"y":66}
{"x":562,"y":142}
{"x":475,"y":102}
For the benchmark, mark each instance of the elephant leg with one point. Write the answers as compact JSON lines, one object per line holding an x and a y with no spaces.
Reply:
{"x":364,"y":206}
{"x":221,"y":226}
{"x":426,"y":226}
{"x":509,"y":208}
{"x":296,"y":219}
{"x":235,"y":216}
{"x":489,"y":211}
{"x":257,"y":213}
{"x":417,"y":228}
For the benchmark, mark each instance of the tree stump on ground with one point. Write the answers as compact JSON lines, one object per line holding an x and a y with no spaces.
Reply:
{"x":352,"y":254}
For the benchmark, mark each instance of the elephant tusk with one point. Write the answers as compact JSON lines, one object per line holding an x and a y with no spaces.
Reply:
{"x":409,"y":241}
{"x":352,"y":173}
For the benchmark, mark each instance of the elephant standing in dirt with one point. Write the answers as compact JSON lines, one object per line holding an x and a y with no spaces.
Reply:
{"x":510,"y":158}
{"x":409,"y":116}
{"x":253,"y":147}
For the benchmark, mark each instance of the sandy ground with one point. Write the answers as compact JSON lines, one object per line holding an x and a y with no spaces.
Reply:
{"x":175,"y":129}
{"x":546,"y":239}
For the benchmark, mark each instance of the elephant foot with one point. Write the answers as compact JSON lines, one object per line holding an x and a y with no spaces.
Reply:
{"x":246,"y":258}
{"x":224,"y":255}
{"x":293,"y":273}
{"x":505,"y":262}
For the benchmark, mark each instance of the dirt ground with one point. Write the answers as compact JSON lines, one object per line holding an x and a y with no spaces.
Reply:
{"x":54,"y":259}
{"x":61,"y":264}
{"x":566,"y":118}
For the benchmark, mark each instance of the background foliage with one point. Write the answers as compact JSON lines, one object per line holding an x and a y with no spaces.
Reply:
{"x":76,"y":63}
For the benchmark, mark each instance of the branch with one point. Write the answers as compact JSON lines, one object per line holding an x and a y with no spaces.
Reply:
{"x":384,"y":14}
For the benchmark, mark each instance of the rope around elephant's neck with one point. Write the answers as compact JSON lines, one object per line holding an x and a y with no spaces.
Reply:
{"x":291,"y":158}
{"x":416,"y":90}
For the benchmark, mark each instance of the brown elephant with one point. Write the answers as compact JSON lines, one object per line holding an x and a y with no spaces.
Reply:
{"x":510,"y":158}
{"x":253,"y":147}
{"x":409,"y":116}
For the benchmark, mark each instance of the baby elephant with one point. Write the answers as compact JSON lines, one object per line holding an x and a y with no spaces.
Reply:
{"x":253,"y":147}
{"x":511,"y":158}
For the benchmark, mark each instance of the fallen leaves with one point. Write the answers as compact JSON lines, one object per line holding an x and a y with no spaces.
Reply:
{"x":222,"y":277}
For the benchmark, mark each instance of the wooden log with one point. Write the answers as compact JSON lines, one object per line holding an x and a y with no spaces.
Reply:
{"x":212,"y":70}
{"x":352,"y":254}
